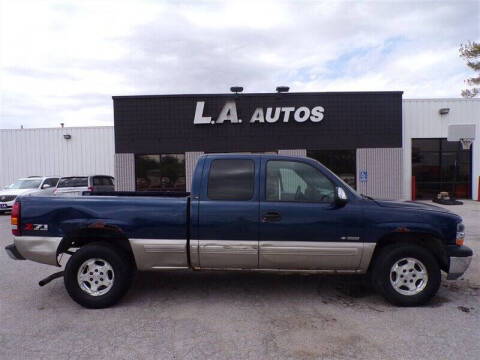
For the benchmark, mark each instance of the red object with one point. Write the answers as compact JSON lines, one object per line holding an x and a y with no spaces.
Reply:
{"x":461,"y":191}
{"x":414,"y":188}
{"x":90,"y":188}
{"x":15,"y":219}
{"x":28,"y":227}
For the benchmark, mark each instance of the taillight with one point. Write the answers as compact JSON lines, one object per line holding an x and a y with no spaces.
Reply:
{"x":15,"y":221}
{"x":90,"y":188}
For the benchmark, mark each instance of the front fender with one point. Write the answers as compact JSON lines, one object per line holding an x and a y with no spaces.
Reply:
{"x":387,"y":228}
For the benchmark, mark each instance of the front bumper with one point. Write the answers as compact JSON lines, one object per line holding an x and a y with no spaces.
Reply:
{"x":6,"y":206}
{"x":460,"y":259}
{"x":13,"y":253}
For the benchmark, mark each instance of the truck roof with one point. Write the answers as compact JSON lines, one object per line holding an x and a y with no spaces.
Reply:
{"x":253,"y":156}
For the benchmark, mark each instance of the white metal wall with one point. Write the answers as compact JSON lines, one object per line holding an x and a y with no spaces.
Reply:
{"x":191,"y":159}
{"x":293,"y":152}
{"x":27,"y":152}
{"x":125,"y":172}
{"x":421,"y":119}
{"x":384,"y":172}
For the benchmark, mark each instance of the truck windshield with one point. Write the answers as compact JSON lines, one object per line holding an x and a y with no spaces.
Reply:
{"x":73,"y":182}
{"x":25,"y":184}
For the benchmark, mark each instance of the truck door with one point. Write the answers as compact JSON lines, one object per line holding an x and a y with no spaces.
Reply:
{"x":228,"y":213}
{"x":301,"y":228}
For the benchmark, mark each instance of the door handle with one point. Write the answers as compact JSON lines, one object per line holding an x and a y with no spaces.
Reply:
{"x":270,"y":216}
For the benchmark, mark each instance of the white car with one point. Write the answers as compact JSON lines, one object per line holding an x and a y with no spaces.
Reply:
{"x":33,"y":185}
{"x":76,"y":185}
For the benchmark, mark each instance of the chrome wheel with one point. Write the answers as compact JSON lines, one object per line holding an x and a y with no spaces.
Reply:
{"x":95,"y":277}
{"x":408,"y":276}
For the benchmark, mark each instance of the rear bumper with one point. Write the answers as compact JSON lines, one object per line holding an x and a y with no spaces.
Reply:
{"x":13,"y":253}
{"x":40,"y":249}
{"x":460,"y":259}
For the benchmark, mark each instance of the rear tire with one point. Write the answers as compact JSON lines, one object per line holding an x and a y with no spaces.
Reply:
{"x":406,"y":274}
{"x":98,"y":275}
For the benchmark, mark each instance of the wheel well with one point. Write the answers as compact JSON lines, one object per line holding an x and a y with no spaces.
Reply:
{"x":427,"y":241}
{"x":83,"y":237}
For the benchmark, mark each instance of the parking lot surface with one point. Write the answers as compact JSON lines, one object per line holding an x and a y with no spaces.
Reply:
{"x":219,"y":315}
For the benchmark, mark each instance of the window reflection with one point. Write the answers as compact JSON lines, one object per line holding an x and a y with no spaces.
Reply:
{"x":163,"y":172}
{"x":342,"y":162}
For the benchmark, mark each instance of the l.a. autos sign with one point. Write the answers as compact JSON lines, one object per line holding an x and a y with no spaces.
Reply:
{"x":261,"y":115}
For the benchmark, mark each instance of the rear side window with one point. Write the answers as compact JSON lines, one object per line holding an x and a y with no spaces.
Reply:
{"x":73,"y":182}
{"x":102,"y":180}
{"x":231,"y":179}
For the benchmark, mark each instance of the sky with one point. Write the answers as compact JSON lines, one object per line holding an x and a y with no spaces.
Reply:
{"x":62,"y":61}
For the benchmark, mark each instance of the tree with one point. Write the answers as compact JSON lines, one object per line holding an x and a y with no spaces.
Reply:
{"x":470,"y":52}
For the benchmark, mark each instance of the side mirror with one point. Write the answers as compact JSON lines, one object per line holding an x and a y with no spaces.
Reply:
{"x":46,"y":186}
{"x":340,"y":197}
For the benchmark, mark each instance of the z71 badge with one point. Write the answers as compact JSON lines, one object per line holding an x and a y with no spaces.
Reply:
{"x":36,"y":227}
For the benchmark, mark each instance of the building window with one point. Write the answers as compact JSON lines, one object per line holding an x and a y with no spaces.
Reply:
{"x":342,"y":162}
{"x":440,"y":165}
{"x":231,"y":179}
{"x":165,"y":172}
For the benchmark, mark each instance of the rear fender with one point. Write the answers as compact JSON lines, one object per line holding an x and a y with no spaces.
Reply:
{"x":95,"y":232}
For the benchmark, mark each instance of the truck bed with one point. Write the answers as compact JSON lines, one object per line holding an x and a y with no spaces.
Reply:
{"x":138,"y":216}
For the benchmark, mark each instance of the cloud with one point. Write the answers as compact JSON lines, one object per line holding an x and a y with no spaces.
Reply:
{"x":61,"y":61}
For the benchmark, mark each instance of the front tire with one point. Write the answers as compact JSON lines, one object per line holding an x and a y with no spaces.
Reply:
{"x":406,"y":274}
{"x":98,"y":275}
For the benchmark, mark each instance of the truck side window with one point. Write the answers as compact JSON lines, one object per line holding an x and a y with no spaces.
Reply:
{"x":231,"y":179}
{"x":297,"y":181}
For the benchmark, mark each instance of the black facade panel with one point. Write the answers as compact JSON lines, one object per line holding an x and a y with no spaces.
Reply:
{"x":164,"y":124}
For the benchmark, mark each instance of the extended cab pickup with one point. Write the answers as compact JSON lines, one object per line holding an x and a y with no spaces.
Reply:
{"x":245,"y":212}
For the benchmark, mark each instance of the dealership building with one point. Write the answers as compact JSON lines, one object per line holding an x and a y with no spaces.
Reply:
{"x":381,"y":144}
{"x":377,"y":142}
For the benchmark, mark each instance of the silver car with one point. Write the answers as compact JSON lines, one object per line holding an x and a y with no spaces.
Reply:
{"x":33,"y":185}
{"x":76,"y":185}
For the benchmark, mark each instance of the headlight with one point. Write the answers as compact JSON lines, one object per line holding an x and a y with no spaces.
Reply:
{"x":460,"y":234}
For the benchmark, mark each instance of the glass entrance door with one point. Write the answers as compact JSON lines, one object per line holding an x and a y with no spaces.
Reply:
{"x":441,"y":165}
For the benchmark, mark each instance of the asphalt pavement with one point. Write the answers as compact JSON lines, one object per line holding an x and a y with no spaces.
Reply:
{"x":219,"y":315}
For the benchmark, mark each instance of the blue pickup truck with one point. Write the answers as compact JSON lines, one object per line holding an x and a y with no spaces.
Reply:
{"x":245,"y":212}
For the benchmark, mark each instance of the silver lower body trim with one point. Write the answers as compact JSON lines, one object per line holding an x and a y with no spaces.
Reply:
{"x":458,"y":266}
{"x":368,"y":250}
{"x":224,"y":254}
{"x":41,"y":249}
{"x":285,"y":271}
{"x":160,"y":254}
{"x":306,"y":255}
